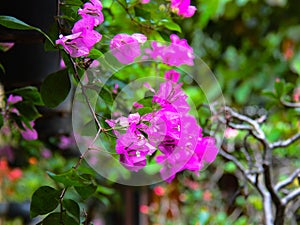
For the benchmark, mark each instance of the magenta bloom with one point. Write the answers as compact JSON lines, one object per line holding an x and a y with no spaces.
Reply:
{"x":133,"y":148}
{"x":79,"y":44}
{"x":144,"y":1}
{"x":170,"y":94}
{"x":176,"y":54}
{"x":127,"y":47}
{"x":29,"y":133}
{"x":183,"y":8}
{"x":172,"y":75}
{"x":14,"y":99}
{"x":83,"y":36}
{"x":92,"y":10}
{"x":66,"y":142}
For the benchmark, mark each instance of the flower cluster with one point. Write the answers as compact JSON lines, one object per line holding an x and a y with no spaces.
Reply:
{"x":83,"y":36}
{"x":170,"y":130}
{"x":183,"y":8}
{"x":177,"y":53}
{"x":127,"y":47}
{"x":28,"y":132}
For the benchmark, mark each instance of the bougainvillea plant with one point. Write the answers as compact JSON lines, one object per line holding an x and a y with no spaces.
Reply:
{"x":109,"y":47}
{"x":167,"y":135}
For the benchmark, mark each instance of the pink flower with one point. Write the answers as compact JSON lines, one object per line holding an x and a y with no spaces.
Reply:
{"x":137,"y":105}
{"x":15,"y":174}
{"x":183,"y":8}
{"x":83,"y":36}
{"x":79,"y":44}
{"x":5,"y":46}
{"x":159,"y":190}
{"x":133,"y":148}
{"x":176,"y":54}
{"x":144,"y":209}
{"x":73,"y":44}
{"x":172,"y":75}
{"x":92,"y":10}
{"x":14,"y":99}
{"x":66,"y":142}
{"x":127,"y":47}
{"x":29,"y":133}
{"x":144,"y":1}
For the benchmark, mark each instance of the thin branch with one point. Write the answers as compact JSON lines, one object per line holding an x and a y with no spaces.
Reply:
{"x":285,"y":143}
{"x":287,"y":181}
{"x":254,"y":125}
{"x":289,"y":104}
{"x":231,"y":158}
{"x":291,"y":196}
{"x":269,"y":185}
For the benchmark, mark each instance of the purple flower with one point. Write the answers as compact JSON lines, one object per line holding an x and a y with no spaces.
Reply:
{"x":183,"y":8}
{"x":171,"y":93}
{"x":29,"y":133}
{"x":14,"y":99}
{"x":176,"y":54}
{"x":83,"y":36}
{"x":172,"y":75}
{"x":133,"y":148}
{"x":127,"y":47}
{"x":66,"y":142}
{"x":92,"y":10}
{"x":79,"y":44}
{"x":73,"y":44}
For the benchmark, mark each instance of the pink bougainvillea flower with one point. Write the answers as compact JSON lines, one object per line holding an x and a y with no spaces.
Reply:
{"x":73,"y":44}
{"x":14,"y":99}
{"x":83,"y":36}
{"x":83,"y":24}
{"x":176,"y":54}
{"x":79,"y":44}
{"x":137,"y":105}
{"x":172,"y":75}
{"x":127,"y":47}
{"x":170,"y":93}
{"x":183,"y":8}
{"x":66,"y":142}
{"x":29,"y":133}
{"x":5,"y":46}
{"x":144,"y":1}
{"x":92,"y":10}
{"x":133,"y":148}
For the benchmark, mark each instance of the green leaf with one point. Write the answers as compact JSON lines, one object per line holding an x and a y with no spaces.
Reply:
{"x":86,"y":191}
{"x":55,"y":88}
{"x":70,"y":178}
{"x":14,"y":23}
{"x":44,"y":200}
{"x":89,"y":129}
{"x":171,"y":25}
{"x":95,"y":54}
{"x":279,"y":88}
{"x":2,"y":68}
{"x":28,"y":110}
{"x":229,"y":167}
{"x":58,"y":218}
{"x":144,"y":110}
{"x":72,"y":208}
{"x":1,"y":120}
{"x":295,"y":64}
{"x":105,"y":190}
{"x":29,"y":93}
{"x":139,"y":12}
{"x":269,"y":94}
{"x":106,"y":95}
